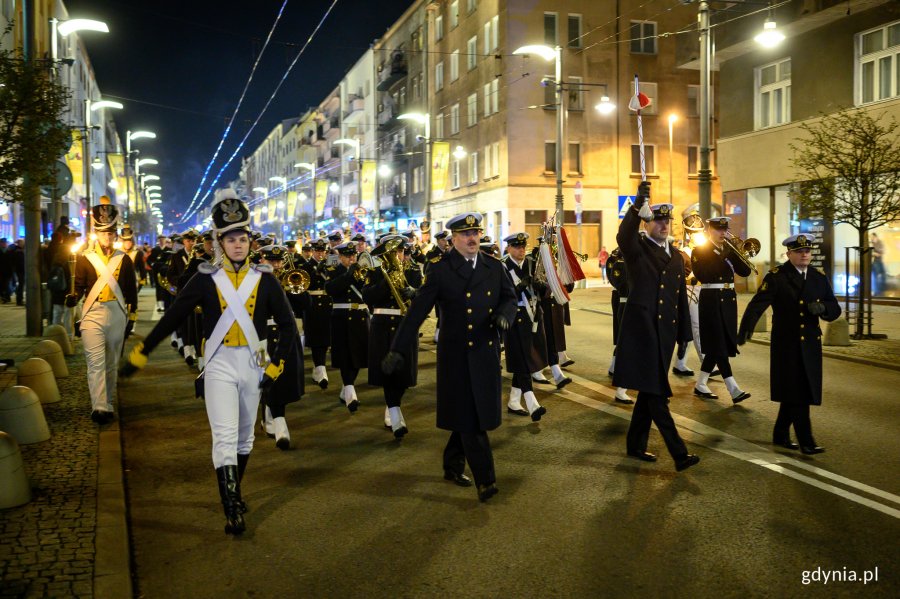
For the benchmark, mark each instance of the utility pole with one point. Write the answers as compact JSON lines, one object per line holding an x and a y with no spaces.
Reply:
{"x":704,"y":174}
{"x":31,"y":203}
{"x":560,"y":136}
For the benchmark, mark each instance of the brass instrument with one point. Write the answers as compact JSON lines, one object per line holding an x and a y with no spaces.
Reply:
{"x":293,"y":280}
{"x":365,"y":263}
{"x":744,"y":249}
{"x":163,"y":282}
{"x":692,"y":223}
{"x":581,"y":257}
{"x":392,"y":268}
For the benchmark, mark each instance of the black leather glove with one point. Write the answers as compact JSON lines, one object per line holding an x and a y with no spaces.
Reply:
{"x":391,"y":363}
{"x":500,"y":321}
{"x":129,"y":328}
{"x":816,"y":308}
{"x":127,"y":369}
{"x":71,"y":300}
{"x":524,"y":282}
{"x":266,"y":382}
{"x":743,"y":336}
{"x":408,"y":293}
{"x":643,"y":194}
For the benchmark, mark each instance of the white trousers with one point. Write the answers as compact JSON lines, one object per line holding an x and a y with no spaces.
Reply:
{"x":102,"y":334}
{"x":231,"y":385}
{"x":694,"y":309}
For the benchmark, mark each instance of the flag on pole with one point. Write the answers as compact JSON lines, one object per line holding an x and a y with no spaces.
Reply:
{"x":637,"y":103}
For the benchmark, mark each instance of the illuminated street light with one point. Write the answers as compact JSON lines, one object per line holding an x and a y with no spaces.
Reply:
{"x":96,"y":163}
{"x":153,"y":188}
{"x":151,"y":177}
{"x":73,"y":25}
{"x":101,"y":104}
{"x":146,"y":161}
{"x":132,"y":135}
{"x":384,"y":171}
{"x":460,"y":152}
{"x":769,"y":37}
{"x":262,"y":190}
{"x":605,"y":106}
{"x":334,"y":187}
{"x":281,"y":180}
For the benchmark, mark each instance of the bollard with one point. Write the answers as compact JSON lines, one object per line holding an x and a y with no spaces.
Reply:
{"x":22,"y":416}
{"x":837,"y":333}
{"x":38,"y":375}
{"x":50,"y":351}
{"x":14,"y":488}
{"x":57,"y":333}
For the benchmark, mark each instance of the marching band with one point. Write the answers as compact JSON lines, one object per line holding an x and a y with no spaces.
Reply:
{"x":242,"y":309}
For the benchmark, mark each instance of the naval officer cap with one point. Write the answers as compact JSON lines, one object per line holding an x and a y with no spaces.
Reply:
{"x":801,"y":241}
{"x":388,"y":240}
{"x":358,"y":237}
{"x":719,"y":222}
{"x":467,"y":221}
{"x":290,"y":243}
{"x":442,"y":235}
{"x":230,"y":214}
{"x":348,"y":248}
{"x":319,"y":245}
{"x":661,"y":211}
{"x":335,"y":236}
{"x":307,"y":246}
{"x":516,"y":239}
{"x":273,"y":252}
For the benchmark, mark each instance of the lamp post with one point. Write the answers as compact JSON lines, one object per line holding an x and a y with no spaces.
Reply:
{"x":554,"y":54}
{"x":89,"y":107}
{"x":423,"y":119}
{"x":672,"y":119}
{"x":129,"y":137}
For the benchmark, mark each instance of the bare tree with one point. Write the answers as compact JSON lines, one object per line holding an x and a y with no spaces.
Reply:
{"x":848,"y":171}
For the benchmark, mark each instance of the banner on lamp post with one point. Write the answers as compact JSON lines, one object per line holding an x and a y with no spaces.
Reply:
{"x":75,"y":158}
{"x":291,"y":205}
{"x":321,"y":195}
{"x":367,"y":182}
{"x":117,"y":167}
{"x":440,"y":163}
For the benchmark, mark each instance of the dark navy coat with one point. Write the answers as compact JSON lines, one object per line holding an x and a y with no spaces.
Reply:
{"x":349,"y":327}
{"x":796,"y":353}
{"x":656,"y":315}
{"x":717,"y":307}
{"x":526,"y":345}
{"x":468,"y":351}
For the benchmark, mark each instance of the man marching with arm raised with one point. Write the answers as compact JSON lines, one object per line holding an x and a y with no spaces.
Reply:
{"x":237,"y":299}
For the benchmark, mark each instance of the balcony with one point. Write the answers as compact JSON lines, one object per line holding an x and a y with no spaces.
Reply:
{"x":355,"y":108}
{"x":387,"y":118}
{"x":389,"y":74}
{"x":320,"y":135}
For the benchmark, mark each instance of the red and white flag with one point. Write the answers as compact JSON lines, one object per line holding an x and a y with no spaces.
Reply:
{"x":638,"y":102}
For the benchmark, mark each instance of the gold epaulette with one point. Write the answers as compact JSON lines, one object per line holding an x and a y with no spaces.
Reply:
{"x":774,"y":270}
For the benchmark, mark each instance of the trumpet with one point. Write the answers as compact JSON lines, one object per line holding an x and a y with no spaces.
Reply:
{"x":744,"y":249}
{"x":365,"y":263}
{"x":293,"y":280}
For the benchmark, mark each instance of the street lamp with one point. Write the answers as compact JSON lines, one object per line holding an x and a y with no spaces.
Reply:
{"x":262,"y":190}
{"x":605,"y":106}
{"x":89,"y":107}
{"x":148,"y":161}
{"x":769,"y":37}
{"x":554,"y":54}
{"x":151,"y":178}
{"x":312,"y":170}
{"x":334,"y":187}
{"x":73,"y":25}
{"x":384,"y":171}
{"x":672,"y":119}
{"x":96,"y":163}
{"x":153,"y":188}
{"x":460,"y":152}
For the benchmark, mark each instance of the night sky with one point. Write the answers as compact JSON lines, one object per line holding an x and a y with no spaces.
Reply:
{"x":179,"y":68}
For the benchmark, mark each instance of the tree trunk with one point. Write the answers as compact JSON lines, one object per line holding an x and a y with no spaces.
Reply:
{"x":865,"y":283}
{"x":33,"y":311}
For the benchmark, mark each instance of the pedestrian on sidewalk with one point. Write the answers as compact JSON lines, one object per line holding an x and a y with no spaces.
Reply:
{"x":237,"y":299}
{"x":796,"y":344}
{"x":602,"y":258}
{"x":106,"y":276}
{"x":655,"y":319}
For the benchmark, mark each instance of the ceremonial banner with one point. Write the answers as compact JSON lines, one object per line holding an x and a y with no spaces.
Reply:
{"x":272,"y":212}
{"x":257,"y":214}
{"x":367,"y":183}
{"x":440,"y":162}
{"x":291,"y":206}
{"x":74,"y":158}
{"x":321,"y":195}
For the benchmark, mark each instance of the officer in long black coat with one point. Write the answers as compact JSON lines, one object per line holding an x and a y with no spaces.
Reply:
{"x":799,"y":296}
{"x":656,"y":317}
{"x":349,"y":322}
{"x":477,"y":301}
{"x":317,"y":312}
{"x":525,"y":344}
{"x":714,"y":264}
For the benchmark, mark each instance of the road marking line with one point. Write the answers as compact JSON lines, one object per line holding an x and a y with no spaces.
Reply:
{"x":720,"y":441}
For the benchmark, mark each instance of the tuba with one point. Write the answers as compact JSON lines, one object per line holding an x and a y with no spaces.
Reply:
{"x":392,"y":268}
{"x":366,"y":262}
{"x":743,"y":248}
{"x":693,"y":230}
{"x":293,"y":280}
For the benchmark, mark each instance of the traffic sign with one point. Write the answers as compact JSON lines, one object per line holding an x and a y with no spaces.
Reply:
{"x":360,"y":212}
{"x":63,"y":180}
{"x":359,"y":226}
{"x":625,"y":202}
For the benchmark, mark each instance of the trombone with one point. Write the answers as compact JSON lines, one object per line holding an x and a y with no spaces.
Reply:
{"x":293,"y":280}
{"x":743,"y":248}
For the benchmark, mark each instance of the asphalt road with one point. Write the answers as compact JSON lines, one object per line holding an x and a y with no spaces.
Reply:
{"x":350,"y":512}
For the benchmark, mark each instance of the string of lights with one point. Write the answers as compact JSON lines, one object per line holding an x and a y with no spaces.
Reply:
{"x":237,"y":108}
{"x":193,"y":209}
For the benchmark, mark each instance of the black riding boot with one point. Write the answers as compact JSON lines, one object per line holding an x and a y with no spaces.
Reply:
{"x":242,"y":465}
{"x":230,"y":491}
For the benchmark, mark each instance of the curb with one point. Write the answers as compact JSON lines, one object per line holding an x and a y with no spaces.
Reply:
{"x":112,"y":562}
{"x":844,"y":357}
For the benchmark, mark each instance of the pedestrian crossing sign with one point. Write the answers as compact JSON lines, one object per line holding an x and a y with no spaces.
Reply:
{"x":625,"y":202}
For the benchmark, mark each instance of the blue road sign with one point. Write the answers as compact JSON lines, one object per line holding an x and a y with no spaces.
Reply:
{"x":625,"y":203}
{"x":359,"y":226}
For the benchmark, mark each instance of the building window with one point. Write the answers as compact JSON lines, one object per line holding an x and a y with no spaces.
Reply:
{"x":649,"y":153}
{"x":473,"y":167}
{"x":454,"y":65}
{"x":439,"y":126}
{"x":472,"y":52}
{"x":439,"y":76}
{"x":574,"y":37}
{"x":495,"y":32}
{"x":773,"y":94}
{"x":549,"y":157}
{"x":495,"y":96}
{"x":550,"y":28}
{"x":878,"y":64}
{"x":643,"y":37}
{"x":693,"y":160}
{"x":487,"y":38}
{"x":649,"y":90}
{"x":454,"y":174}
{"x":487,"y":100}
{"x":438,"y":28}
{"x":487,"y":162}
{"x":575,"y":158}
{"x":454,"y":14}
{"x":576,"y":93}
{"x":471,"y":5}
{"x":454,"y":119}
{"x":495,"y":159}
{"x":693,"y":96}
{"x":472,"y":110}
{"x":416,"y":184}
